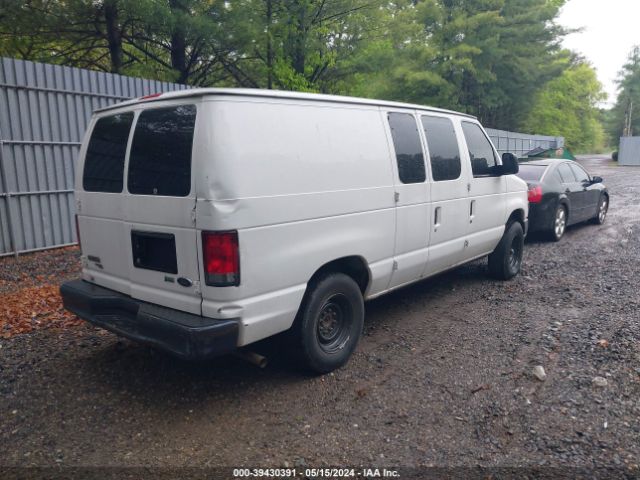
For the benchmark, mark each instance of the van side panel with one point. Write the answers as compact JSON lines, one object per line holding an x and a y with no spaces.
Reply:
{"x":513,"y":197}
{"x":304,"y":184}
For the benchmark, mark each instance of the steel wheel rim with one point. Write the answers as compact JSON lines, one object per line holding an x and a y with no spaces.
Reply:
{"x":602,"y":213}
{"x":515,"y":254}
{"x":560,"y":222}
{"x":333,"y":323}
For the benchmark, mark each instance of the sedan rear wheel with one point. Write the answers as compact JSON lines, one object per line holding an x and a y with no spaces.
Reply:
{"x":559,"y":223}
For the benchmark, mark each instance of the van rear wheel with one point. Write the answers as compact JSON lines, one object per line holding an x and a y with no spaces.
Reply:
{"x":329,"y":323}
{"x":506,"y":259}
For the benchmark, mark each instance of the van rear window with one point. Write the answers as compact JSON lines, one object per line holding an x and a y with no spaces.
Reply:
{"x":160,"y":159}
{"x":104,"y":161}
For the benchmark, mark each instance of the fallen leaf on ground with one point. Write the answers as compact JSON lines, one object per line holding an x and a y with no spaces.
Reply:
{"x":33,"y":308}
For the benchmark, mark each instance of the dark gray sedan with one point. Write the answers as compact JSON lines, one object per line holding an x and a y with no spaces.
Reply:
{"x":562,"y":193}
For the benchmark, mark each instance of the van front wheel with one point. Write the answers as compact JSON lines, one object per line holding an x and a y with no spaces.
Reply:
{"x":330,"y":322}
{"x":506,"y":259}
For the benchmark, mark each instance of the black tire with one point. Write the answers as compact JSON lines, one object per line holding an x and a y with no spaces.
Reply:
{"x":558,"y":224}
{"x":601,"y":213}
{"x":506,"y":259}
{"x":329,"y":323}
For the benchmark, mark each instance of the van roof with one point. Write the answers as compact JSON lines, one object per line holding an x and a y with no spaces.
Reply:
{"x":254,"y":92}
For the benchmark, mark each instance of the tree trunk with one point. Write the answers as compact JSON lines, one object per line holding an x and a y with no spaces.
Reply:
{"x":179,"y":42}
{"x":297,"y":36}
{"x":114,"y":35}
{"x":299,"y":53}
{"x":269,"y":45}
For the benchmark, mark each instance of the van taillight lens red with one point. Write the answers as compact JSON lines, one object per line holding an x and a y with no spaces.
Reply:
{"x":535,"y":194}
{"x":221,"y":256}
{"x":78,"y":232}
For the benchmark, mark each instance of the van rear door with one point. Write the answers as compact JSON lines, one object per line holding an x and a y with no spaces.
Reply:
{"x":143,"y":236}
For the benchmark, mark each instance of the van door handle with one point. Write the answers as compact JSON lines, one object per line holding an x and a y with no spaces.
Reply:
{"x":472,"y":211}
{"x":436,"y":218}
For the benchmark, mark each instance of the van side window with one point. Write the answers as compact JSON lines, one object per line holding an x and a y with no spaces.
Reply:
{"x":480,"y":150}
{"x":104,"y":161}
{"x":160,"y":159}
{"x":406,"y":141}
{"x":566,"y":174}
{"x":444,"y":154}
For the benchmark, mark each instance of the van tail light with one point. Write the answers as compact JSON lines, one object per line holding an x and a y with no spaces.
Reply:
{"x":535,"y":194}
{"x":221,"y":258}
{"x":78,"y":233}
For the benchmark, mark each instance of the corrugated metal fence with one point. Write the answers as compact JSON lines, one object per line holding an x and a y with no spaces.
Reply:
{"x":44,"y":110}
{"x":521,"y":143}
{"x":629,"y":151}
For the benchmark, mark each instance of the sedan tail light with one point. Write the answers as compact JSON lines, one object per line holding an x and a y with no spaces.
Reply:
{"x":221,"y":256}
{"x":535,"y":194}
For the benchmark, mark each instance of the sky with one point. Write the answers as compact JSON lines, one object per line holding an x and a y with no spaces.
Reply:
{"x":610,"y":29}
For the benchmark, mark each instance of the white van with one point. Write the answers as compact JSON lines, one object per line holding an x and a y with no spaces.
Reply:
{"x":210,"y":219}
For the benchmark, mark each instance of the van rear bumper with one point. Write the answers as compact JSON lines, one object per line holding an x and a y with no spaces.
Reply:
{"x":185,"y":335}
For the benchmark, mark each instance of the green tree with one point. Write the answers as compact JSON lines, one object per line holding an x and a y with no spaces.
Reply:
{"x":497,"y":59}
{"x":181,"y":40}
{"x":484,"y":57}
{"x":526,"y":56}
{"x":568,"y":106}
{"x":298,"y":44}
{"x":625,"y":115}
{"x":81,"y":33}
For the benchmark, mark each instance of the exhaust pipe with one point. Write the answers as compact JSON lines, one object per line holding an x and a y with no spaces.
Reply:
{"x":256,"y":359}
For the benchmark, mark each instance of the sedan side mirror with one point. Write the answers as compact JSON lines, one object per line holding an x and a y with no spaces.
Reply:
{"x":597,"y":180}
{"x":510,"y":164}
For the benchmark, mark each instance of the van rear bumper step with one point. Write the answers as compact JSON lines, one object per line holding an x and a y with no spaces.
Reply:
{"x":185,"y":335}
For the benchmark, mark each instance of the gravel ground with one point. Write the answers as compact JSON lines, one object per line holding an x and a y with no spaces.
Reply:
{"x":443,"y":376}
{"x":39,"y":268}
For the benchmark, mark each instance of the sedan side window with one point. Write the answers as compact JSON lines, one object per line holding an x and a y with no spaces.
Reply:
{"x":566,"y":174}
{"x":557,"y":177}
{"x":580,"y":174}
{"x":480,"y":150}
